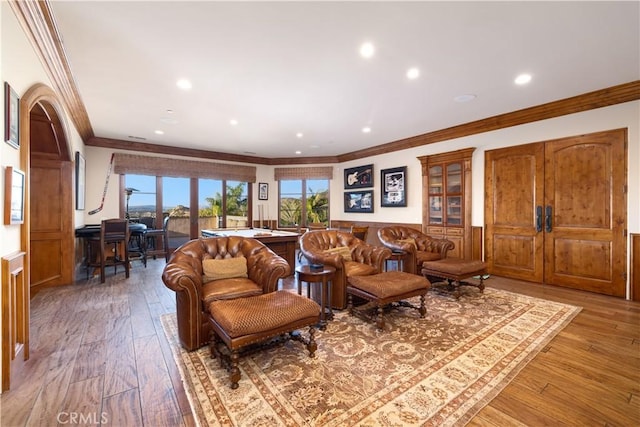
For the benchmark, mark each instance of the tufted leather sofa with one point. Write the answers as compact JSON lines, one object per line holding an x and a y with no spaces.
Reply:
{"x":184,"y":275}
{"x":365,"y":259}
{"x":426,"y":248}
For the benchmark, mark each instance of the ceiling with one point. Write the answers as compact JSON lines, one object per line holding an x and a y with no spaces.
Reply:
{"x":283,"y":68}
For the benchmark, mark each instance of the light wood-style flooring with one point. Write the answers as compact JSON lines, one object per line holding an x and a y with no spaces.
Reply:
{"x":99,"y":356}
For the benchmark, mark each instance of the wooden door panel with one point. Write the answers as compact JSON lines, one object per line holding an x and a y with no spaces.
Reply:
{"x":51,"y":223}
{"x":585,"y":179}
{"x":516,"y":253}
{"x":514,"y":188}
{"x":594,"y":256}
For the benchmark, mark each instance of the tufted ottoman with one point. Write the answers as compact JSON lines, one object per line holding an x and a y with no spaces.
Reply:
{"x":455,"y":270}
{"x":386,"y":288}
{"x":241,"y":322}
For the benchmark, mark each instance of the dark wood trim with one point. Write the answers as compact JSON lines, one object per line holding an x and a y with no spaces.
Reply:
{"x":634,"y":277}
{"x":476,"y":243}
{"x":597,"y":99}
{"x":601,"y":98}
{"x":39,"y":24}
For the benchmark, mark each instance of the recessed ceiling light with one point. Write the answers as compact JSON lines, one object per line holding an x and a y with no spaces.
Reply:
{"x":299,"y":135}
{"x":159,"y":132}
{"x":367,"y":50}
{"x":298,"y":152}
{"x":366,"y":129}
{"x":465,"y":98}
{"x":169,"y":111}
{"x":523,"y":79}
{"x":184,"y":84}
{"x":413,"y":73}
{"x":233,"y":122}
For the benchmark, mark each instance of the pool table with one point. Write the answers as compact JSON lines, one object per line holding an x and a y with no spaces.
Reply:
{"x":281,"y":242}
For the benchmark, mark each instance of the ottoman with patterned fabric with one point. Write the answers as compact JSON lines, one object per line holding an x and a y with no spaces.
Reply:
{"x":385,"y":288}
{"x":454,"y":270}
{"x":242,"y":322}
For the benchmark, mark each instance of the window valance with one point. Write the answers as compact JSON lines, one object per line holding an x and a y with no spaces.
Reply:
{"x":321,"y":172}
{"x":166,"y":166}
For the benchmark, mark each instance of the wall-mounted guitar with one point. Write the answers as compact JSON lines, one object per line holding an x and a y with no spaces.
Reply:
{"x":359,"y":177}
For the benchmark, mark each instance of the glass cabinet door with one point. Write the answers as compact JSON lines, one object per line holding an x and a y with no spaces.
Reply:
{"x":435,"y":210}
{"x":435,"y":195}
{"x":454,"y":178}
{"x":454,"y":210}
{"x":454,"y":194}
{"x":435,"y":180}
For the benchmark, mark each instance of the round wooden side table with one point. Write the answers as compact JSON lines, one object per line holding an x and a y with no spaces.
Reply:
{"x":323,"y":275}
{"x":398,"y":257}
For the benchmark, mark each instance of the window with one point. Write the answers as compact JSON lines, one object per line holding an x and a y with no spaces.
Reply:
{"x":303,"y":201}
{"x":140,"y":200}
{"x":209,"y":204}
{"x":215,"y":208}
{"x":237,"y":204}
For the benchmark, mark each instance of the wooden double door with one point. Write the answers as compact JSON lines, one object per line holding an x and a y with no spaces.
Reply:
{"x":556,"y":212}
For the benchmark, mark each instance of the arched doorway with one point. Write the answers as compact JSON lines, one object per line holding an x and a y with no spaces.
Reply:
{"x":47,"y":233}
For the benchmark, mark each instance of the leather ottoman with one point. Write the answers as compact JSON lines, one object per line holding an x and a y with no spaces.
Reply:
{"x":386,"y":288}
{"x":454,"y":270}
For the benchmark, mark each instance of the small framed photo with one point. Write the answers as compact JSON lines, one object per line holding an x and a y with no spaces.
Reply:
{"x":360,"y":177}
{"x":394,"y":187}
{"x":80,"y":181}
{"x":358,"y":201}
{"x":263,"y":191}
{"x":13,"y":196}
{"x":11,"y":116}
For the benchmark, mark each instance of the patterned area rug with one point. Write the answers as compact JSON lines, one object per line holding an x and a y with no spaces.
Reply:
{"x":440,"y":370}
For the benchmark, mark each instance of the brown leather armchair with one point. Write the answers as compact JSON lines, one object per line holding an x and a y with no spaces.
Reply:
{"x":425,"y":248}
{"x":184,"y":275}
{"x":364,"y":259}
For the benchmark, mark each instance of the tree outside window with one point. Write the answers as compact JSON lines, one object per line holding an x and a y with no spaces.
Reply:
{"x":302,"y":202}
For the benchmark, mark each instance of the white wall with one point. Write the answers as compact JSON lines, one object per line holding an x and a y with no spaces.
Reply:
{"x":618,"y":116}
{"x":625,"y":115}
{"x":21,"y":67}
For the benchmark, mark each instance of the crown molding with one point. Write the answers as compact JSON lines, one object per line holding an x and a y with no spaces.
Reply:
{"x":38,"y":22}
{"x":39,"y":25}
{"x":597,"y":99}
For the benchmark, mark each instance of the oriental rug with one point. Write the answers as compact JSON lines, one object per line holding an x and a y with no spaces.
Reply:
{"x":440,"y":370}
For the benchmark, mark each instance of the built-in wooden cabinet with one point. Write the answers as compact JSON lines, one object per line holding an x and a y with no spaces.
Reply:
{"x":446,"y":198}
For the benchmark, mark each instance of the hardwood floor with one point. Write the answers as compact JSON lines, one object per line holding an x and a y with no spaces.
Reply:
{"x":99,"y":356}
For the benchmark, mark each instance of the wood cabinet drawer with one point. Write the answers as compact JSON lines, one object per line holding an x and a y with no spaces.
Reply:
{"x":454,"y":232}
{"x":437,"y":231}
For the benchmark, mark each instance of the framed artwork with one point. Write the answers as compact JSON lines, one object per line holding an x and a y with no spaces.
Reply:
{"x":11,"y":116}
{"x":13,"y":196}
{"x":80,"y":180}
{"x":360,"y":177}
{"x":394,"y":187}
{"x":263,"y":191}
{"x":358,"y":201}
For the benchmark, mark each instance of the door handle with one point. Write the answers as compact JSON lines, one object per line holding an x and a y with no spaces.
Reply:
{"x":547,"y":220}
{"x":538,"y":219}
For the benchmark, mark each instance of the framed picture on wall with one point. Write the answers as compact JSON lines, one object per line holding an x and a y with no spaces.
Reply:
{"x":13,"y":196}
{"x":359,"y":177}
{"x":11,"y":116}
{"x":394,"y":187}
{"x":263,"y":191}
{"x":358,"y":201}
